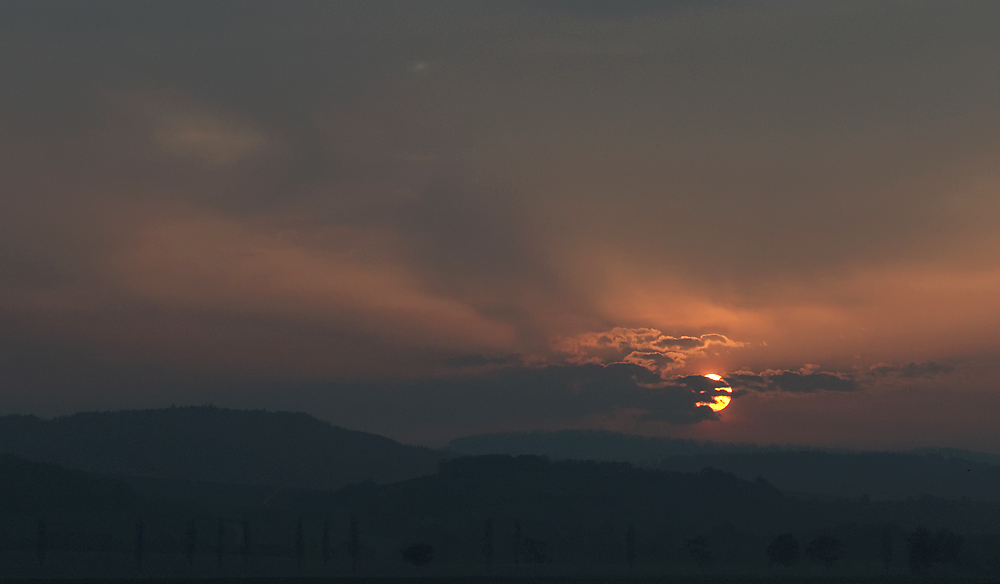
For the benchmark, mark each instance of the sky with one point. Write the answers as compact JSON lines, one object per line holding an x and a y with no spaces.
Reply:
{"x":435,"y":219}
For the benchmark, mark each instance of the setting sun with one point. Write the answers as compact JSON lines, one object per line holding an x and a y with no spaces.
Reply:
{"x":719,"y":402}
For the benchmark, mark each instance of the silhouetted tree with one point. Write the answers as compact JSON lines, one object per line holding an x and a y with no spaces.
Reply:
{"x":325,"y":550}
{"x":535,"y":551}
{"x":220,"y":542}
{"x":42,"y":541}
{"x":300,"y":544}
{"x":418,"y":554}
{"x":353,"y":544}
{"x":949,"y":546}
{"x":825,"y":550}
{"x":926,"y":549}
{"x":886,"y":547}
{"x":140,"y":543}
{"x":919,"y":548}
{"x":697,"y":549}
{"x":191,"y":542}
{"x":488,"y":543}
{"x":245,"y":547}
{"x":518,"y":541}
{"x":783,"y":550}
{"x":630,"y":547}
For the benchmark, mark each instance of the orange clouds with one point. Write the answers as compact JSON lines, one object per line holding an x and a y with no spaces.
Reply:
{"x":643,"y":346}
{"x":210,"y":263}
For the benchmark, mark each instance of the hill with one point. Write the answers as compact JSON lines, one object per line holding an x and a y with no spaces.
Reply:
{"x":878,"y":475}
{"x":949,"y":474}
{"x":591,"y":445}
{"x":209,"y":444}
{"x":579,"y":514}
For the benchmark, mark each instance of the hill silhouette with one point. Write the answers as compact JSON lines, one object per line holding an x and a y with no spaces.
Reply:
{"x":33,"y":487}
{"x":578,"y":513}
{"x":591,"y":445}
{"x":209,"y":444}
{"x":880,"y":475}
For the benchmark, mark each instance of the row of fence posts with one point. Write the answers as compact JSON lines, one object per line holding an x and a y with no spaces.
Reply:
{"x":925,"y":547}
{"x":245,"y":550}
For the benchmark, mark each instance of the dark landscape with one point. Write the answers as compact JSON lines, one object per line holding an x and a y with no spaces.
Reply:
{"x":117,"y":505}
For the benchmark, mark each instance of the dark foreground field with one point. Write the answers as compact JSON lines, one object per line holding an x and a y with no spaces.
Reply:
{"x":703,"y":579}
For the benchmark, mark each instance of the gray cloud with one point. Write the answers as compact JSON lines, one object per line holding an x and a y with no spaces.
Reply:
{"x":912,"y":370}
{"x":793,"y":381}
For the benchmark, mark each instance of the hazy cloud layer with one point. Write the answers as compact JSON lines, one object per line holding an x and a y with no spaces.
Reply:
{"x":371,"y":192}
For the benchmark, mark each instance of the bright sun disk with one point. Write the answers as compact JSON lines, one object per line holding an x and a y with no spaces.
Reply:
{"x":718,"y":402}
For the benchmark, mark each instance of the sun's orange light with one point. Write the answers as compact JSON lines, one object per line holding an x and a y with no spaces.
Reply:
{"x":718,"y":402}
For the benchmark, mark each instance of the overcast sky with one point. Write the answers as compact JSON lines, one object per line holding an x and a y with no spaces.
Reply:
{"x":429,"y":219}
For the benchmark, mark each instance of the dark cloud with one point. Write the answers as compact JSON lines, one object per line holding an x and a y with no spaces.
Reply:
{"x":488,"y":392}
{"x":700,"y":384}
{"x":912,"y":370}
{"x":573,"y":393}
{"x":793,"y":381}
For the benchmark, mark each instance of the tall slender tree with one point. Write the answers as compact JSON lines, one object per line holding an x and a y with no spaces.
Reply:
{"x":140,"y":543}
{"x":42,"y":541}
{"x":518,"y":540}
{"x":191,"y":542}
{"x":325,"y":550}
{"x":300,"y":544}
{"x":220,"y":541}
{"x":488,"y":544}
{"x":630,"y":547}
{"x":886,"y":547}
{"x":245,"y":547}
{"x":353,"y":544}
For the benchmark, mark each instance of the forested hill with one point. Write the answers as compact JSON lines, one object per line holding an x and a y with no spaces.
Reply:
{"x":592,"y":445}
{"x":878,"y":475}
{"x":576,"y":501}
{"x":211,"y":444}
{"x":948,"y":474}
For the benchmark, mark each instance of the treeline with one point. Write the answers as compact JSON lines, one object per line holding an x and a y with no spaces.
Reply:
{"x":227,"y":546}
{"x":483,"y":515}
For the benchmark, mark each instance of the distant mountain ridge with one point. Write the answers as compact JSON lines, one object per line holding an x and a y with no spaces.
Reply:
{"x":947,"y":473}
{"x":596,"y":445}
{"x":212,"y":444}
